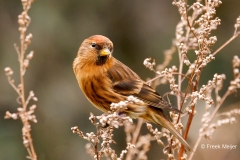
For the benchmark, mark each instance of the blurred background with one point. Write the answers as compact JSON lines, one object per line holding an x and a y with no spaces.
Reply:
{"x":139,"y":29}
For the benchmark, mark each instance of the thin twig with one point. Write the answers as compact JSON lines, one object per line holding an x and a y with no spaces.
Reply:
{"x":211,"y":118}
{"x":23,"y":113}
{"x":134,"y":138}
{"x":226,"y":43}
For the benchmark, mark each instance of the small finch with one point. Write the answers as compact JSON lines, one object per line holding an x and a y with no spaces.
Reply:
{"x":105,"y":80}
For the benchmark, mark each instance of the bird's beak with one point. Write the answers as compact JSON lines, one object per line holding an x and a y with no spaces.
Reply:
{"x":104,"y":52}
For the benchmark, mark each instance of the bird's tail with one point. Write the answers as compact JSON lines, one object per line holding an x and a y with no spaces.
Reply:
{"x":160,"y":119}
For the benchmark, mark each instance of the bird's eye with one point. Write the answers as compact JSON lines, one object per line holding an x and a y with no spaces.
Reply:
{"x":93,"y":44}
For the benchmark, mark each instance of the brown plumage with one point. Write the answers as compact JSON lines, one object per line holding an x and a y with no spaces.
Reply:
{"x":105,"y":80}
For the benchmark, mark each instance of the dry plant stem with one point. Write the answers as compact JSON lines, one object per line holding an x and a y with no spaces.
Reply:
{"x":220,"y":103}
{"x":155,"y":78}
{"x":179,"y":79}
{"x":177,"y":73}
{"x":188,"y":87}
{"x":31,"y":151}
{"x":26,"y":124}
{"x":137,"y":131}
{"x":190,"y":23}
{"x":191,"y":115}
{"x":96,"y":150}
{"x":22,"y":72}
{"x":134,"y":139}
{"x":215,"y":110}
{"x":211,"y":118}
{"x":188,"y":123}
{"x":192,"y":76}
{"x":226,"y":43}
{"x":181,"y":59}
{"x":179,"y":83}
{"x":23,"y":112}
{"x":13,"y":86}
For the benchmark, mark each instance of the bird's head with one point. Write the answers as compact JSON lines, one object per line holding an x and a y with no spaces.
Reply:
{"x":96,"y":50}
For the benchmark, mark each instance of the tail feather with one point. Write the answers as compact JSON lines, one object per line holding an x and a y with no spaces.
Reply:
{"x":160,"y":120}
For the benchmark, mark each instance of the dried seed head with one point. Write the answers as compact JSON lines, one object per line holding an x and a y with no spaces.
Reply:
{"x":28,"y":38}
{"x":8,"y":71}
{"x":30,"y":55}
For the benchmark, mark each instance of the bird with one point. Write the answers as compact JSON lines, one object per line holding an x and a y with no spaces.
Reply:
{"x":105,"y":80}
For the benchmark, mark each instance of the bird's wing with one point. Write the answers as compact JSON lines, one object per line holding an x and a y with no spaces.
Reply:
{"x":127,"y":82}
{"x":124,"y":80}
{"x":152,"y":98}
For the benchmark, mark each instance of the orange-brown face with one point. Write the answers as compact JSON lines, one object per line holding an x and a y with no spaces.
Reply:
{"x":96,"y":49}
{"x":94,"y":58}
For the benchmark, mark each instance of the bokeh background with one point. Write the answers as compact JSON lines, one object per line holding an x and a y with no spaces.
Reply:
{"x":139,"y":29}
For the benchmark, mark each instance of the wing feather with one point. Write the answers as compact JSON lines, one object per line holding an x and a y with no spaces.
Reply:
{"x":127,"y":82}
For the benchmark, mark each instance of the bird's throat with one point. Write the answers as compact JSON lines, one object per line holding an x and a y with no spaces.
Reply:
{"x":101,"y":60}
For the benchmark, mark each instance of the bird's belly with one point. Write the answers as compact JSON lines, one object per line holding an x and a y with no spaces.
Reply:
{"x":136,"y":111}
{"x":97,"y":101}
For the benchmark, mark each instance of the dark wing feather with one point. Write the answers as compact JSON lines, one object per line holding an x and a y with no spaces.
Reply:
{"x":151,"y":97}
{"x":124,"y":80}
{"x":127,"y":82}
